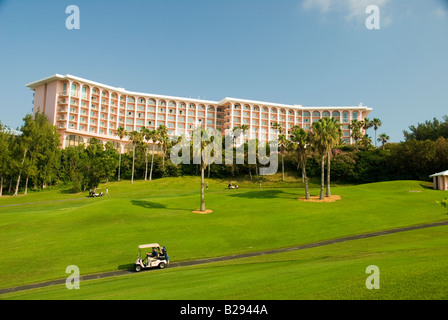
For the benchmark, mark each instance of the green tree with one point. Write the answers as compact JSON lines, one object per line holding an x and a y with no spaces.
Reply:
{"x":136,"y":138}
{"x":376,"y":124}
{"x":383,"y":138}
{"x":300,"y":138}
{"x":121,"y":133}
{"x":5,"y":155}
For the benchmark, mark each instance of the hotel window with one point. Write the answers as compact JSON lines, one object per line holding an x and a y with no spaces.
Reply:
{"x":355,"y":115}
{"x":150,"y":115}
{"x":191,"y":113}
{"x":316,"y":114}
{"x":345,"y":116}
{"x":64,"y":88}
{"x":264,"y":109}
{"x":170,"y":125}
{"x":73,"y":140}
{"x":181,"y":119}
{"x":306,"y":114}
{"x":201,"y":114}
{"x":306,"y":120}
{"x":84,"y":93}
{"x":141,"y":100}
{"x":152,"y":102}
{"x":180,"y":125}
{"x":192,"y":106}
{"x":325,"y":114}
{"x":131,"y":99}
{"x":171,"y":118}
{"x":160,"y":117}
{"x":336,"y":114}
{"x":162,"y":103}
{"x":209,"y":121}
{"x":73,"y":91}
{"x":129,"y":121}
{"x":140,"y":122}
{"x":171,"y":104}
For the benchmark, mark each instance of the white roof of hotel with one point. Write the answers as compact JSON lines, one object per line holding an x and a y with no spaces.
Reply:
{"x":443,"y":173}
{"x":54,"y":77}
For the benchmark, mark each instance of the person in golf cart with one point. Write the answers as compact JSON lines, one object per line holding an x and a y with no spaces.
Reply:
{"x":153,"y":255}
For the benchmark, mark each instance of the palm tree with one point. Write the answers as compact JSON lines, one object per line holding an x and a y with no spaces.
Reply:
{"x":146,"y":135}
{"x":283,"y":143}
{"x":383,"y":138}
{"x":136,"y":138}
{"x":121,"y":133}
{"x":318,"y":139}
{"x":376,"y":124}
{"x":162,"y":138}
{"x":300,"y":139}
{"x":154,"y":137}
{"x":333,"y":134}
{"x":356,"y":134}
{"x":204,"y":160}
{"x":325,"y":136}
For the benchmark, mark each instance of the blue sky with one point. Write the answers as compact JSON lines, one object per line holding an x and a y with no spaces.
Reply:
{"x":314,"y":53}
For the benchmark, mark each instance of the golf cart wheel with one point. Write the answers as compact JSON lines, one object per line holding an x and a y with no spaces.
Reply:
{"x":162,"y":265}
{"x":138,"y":268}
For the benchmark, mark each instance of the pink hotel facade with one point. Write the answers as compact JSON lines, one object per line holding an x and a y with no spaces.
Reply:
{"x":83,"y":109}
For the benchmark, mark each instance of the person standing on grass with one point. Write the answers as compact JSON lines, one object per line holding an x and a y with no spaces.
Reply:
{"x":107,"y":191}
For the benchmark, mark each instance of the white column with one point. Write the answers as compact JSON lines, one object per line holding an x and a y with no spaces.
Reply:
{"x":69,"y":102}
{"x":90,"y":108}
{"x":175,"y":119}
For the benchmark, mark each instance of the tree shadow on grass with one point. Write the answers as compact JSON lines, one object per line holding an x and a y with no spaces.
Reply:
{"x":154,"y":205}
{"x":260,"y":194}
{"x":148,"y":204}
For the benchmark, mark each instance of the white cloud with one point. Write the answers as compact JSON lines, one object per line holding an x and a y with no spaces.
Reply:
{"x":440,"y":12}
{"x":351,"y":9}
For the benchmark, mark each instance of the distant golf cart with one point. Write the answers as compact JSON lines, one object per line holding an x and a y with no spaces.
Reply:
{"x":153,"y":258}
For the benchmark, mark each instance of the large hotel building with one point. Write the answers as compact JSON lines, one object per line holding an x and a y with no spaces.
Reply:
{"x":83,"y":109}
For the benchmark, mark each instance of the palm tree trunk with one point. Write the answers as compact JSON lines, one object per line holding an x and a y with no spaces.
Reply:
{"x":1,"y":185}
{"x":152,"y":161}
{"x":119,"y":165}
{"x":133,"y":162}
{"x":283,"y":169}
{"x":146,"y":163}
{"x":322,"y":180}
{"x":26,"y":185}
{"x":20,"y":173}
{"x":328,"y":174}
{"x":202,"y":189}
{"x":305,"y":179}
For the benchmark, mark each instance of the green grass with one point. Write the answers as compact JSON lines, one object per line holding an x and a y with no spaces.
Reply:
{"x":39,"y":240}
{"x":412,"y":266}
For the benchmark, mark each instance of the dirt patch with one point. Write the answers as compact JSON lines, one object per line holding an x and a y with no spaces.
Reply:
{"x":203,"y":212}
{"x":333,"y":198}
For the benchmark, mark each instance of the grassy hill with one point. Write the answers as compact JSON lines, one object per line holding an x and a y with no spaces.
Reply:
{"x":44,"y":232}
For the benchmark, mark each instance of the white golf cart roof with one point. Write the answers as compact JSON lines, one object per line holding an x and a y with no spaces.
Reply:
{"x":150,"y":245}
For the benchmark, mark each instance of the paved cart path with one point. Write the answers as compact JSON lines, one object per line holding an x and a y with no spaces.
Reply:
{"x":230,"y":257}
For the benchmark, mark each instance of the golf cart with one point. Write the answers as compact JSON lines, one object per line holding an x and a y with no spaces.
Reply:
{"x":149,"y":260}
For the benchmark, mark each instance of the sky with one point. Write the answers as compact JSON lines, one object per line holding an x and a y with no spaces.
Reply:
{"x":306,"y":52}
